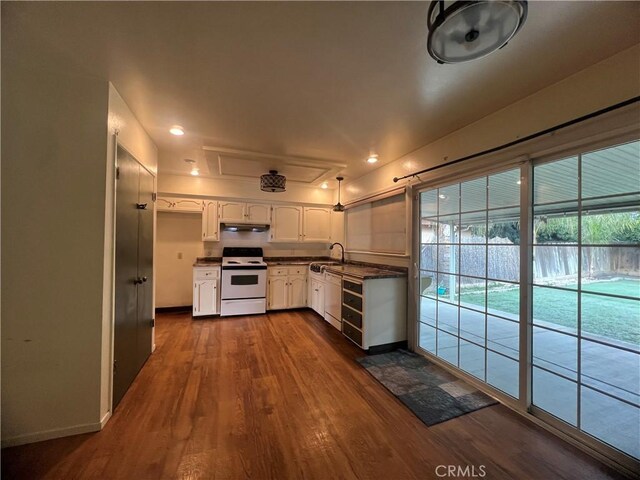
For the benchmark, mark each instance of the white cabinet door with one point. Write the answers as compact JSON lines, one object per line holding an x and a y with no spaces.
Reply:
{"x":258,"y":213}
{"x":205,"y":297}
{"x":187,"y":205}
{"x":286,"y":223}
{"x":164,"y":204}
{"x":317,"y":225}
{"x":232,"y":211}
{"x":297,"y":291}
{"x":277,"y":293}
{"x":321,"y":288}
{"x":317,"y":297}
{"x":210,"y":224}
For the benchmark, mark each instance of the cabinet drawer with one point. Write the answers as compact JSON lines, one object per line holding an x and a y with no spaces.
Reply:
{"x":298,"y":270}
{"x":278,"y":271}
{"x":351,"y":316}
{"x":206,"y":273}
{"x":352,"y":286}
{"x":352,"y":332}
{"x":353,"y":301}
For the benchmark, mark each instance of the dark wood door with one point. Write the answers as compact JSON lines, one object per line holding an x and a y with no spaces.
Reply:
{"x":145,"y":267}
{"x":133,"y":272}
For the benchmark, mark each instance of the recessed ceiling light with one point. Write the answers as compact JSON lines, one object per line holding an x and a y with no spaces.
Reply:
{"x":195,"y":172}
{"x":372,"y":158}
{"x":324,"y":185}
{"x":176,"y":130}
{"x":442,"y":196}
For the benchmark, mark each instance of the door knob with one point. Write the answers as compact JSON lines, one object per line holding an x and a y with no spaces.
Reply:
{"x":137,"y":281}
{"x":141,"y":206}
{"x":144,"y":279}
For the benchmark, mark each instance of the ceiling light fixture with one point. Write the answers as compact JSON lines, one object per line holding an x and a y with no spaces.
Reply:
{"x":466,"y":30}
{"x":372,"y":158}
{"x":195,"y":171}
{"x":338,"y":207}
{"x":272,"y":182}
{"x":176,"y":130}
{"x":442,"y":196}
{"x":324,"y":185}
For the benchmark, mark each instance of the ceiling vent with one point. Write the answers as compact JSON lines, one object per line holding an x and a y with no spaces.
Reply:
{"x":272,"y":182}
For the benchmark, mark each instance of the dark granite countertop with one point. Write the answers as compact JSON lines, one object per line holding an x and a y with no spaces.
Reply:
{"x":272,"y":261}
{"x":208,"y":262}
{"x":366,"y":272}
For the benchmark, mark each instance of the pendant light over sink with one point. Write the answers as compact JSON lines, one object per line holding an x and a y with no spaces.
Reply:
{"x":338,"y":207}
{"x":466,"y":30}
{"x":272,"y":182}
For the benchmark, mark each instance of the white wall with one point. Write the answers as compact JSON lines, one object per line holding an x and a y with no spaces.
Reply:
{"x":54,"y":139}
{"x":611,"y":81}
{"x":178,"y":244}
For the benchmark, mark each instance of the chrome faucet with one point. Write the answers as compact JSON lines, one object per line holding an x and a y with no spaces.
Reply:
{"x":341,"y":247}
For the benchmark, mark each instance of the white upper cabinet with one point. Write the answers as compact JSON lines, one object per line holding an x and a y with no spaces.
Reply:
{"x":210,"y":223}
{"x":164,"y":204}
{"x":258,"y":213}
{"x":317,"y":225}
{"x":171,"y":204}
{"x":286,"y":223}
{"x":240,"y":212}
{"x":232,"y":211}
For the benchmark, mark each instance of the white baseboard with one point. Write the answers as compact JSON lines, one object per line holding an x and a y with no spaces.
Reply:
{"x":105,"y":419}
{"x":54,"y":433}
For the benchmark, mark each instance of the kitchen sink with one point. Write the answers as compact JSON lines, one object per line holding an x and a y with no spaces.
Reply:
{"x":318,"y":267}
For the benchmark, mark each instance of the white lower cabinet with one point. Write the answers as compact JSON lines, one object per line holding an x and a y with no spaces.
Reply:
{"x":277,"y":286}
{"x":206,"y":291}
{"x":317,"y":296}
{"x":287,"y":288}
{"x":374,"y":314}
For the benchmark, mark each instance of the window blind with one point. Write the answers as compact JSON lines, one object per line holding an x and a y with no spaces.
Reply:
{"x":378,"y":226}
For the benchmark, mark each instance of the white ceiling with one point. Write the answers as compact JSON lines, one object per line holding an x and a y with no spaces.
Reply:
{"x":311,"y":82}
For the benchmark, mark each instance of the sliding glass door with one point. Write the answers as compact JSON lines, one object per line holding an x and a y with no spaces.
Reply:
{"x":586,"y":293}
{"x":469,"y":277}
{"x":580,"y":370}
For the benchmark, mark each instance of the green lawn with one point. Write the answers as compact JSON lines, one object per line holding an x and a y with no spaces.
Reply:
{"x":613,"y":318}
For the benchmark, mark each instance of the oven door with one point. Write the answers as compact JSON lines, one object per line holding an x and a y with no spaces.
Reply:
{"x":244,"y":283}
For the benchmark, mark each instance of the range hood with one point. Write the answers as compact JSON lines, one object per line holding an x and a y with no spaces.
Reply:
{"x":244,"y":227}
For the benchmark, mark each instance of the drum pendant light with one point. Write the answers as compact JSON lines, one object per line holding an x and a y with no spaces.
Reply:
{"x":466,"y":30}
{"x":272,"y":182}
{"x":338,"y":207}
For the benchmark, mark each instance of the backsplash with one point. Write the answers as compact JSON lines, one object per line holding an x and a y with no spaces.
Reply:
{"x":253,"y":239}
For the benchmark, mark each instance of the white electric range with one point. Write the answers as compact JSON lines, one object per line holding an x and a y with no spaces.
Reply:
{"x":244,"y":282}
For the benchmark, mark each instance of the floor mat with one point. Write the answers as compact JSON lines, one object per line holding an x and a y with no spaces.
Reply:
{"x":431,"y":393}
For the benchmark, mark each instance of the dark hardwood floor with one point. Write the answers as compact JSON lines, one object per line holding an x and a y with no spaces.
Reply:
{"x":280,"y":396}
